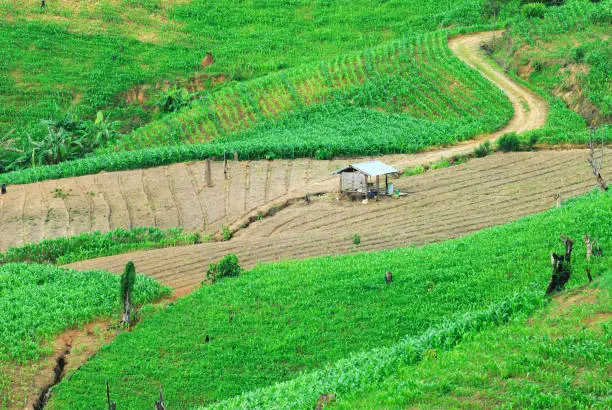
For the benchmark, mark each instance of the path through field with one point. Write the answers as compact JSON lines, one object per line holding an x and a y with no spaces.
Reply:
{"x":177,"y":195}
{"x":440,"y":204}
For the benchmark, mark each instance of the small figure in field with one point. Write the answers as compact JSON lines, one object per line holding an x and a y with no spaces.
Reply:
{"x":324,"y":399}
{"x":388,"y":277}
{"x":3,"y":189}
{"x":557,"y":199}
{"x":43,"y":4}
{"x":307,"y":199}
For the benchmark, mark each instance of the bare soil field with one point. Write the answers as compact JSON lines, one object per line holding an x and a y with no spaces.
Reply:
{"x":440,"y":204}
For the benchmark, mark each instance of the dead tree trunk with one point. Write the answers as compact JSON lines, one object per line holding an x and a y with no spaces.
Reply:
{"x":208,"y":172}
{"x":561,"y":267}
{"x":557,"y":199}
{"x":127,"y":308}
{"x":160,"y":405}
{"x":110,"y":406}
{"x":225,"y":170}
{"x":388,"y":277}
{"x":597,"y":163}
{"x":589,"y":251}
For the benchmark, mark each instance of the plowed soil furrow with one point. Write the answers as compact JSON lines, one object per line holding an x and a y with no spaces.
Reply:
{"x":57,"y":219}
{"x":450,"y":210}
{"x":118,"y":216}
{"x":186,"y":198}
{"x":136,"y":199}
{"x":33,"y":209}
{"x":157,"y":187}
{"x":78,"y":207}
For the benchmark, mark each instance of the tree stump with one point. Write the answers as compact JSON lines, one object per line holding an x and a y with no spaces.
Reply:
{"x":561,"y":267}
{"x":160,"y":405}
{"x":388,"y":277}
{"x":3,"y":189}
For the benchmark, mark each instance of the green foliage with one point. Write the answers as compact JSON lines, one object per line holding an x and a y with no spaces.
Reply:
{"x":509,"y":142}
{"x":39,"y":301}
{"x":227,"y":267}
{"x":128,"y":279}
{"x":96,"y":244}
{"x":312,"y":317}
{"x":416,"y":170}
{"x":532,"y":10}
{"x":173,"y":99}
{"x":356,"y":239}
{"x":226,"y":233}
{"x":483,"y":149}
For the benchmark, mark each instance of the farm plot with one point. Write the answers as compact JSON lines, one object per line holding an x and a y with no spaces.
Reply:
{"x":440,"y":204}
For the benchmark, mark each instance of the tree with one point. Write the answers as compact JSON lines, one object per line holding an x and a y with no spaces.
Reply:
{"x":491,"y":9}
{"x":128,"y":278}
{"x":596,"y":161}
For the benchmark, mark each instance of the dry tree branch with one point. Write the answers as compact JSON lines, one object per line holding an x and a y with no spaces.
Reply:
{"x":8,"y":144}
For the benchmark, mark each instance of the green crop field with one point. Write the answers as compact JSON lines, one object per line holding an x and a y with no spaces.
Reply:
{"x":278,"y":323}
{"x":558,"y":359}
{"x":39,"y":301}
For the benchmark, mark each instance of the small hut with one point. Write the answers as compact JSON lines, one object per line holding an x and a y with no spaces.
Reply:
{"x":364,"y":179}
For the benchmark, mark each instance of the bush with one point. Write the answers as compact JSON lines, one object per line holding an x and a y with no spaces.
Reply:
{"x":226,"y":232}
{"x":356,"y":239}
{"x":419,"y":169}
{"x":483,"y":149}
{"x":226,"y":267}
{"x":509,"y":142}
{"x":533,"y":10}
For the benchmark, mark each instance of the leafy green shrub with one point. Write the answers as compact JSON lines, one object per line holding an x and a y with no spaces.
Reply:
{"x":509,"y":142}
{"x":173,"y":99}
{"x":356,"y":239}
{"x":226,"y":267}
{"x":226,"y":233}
{"x":483,"y":149}
{"x":533,"y":10}
{"x":95,"y":244}
{"x":419,"y":169}
{"x":445,"y":163}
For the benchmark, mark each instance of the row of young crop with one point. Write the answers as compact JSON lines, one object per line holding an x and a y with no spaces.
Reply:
{"x":424,"y":84}
{"x":96,"y":244}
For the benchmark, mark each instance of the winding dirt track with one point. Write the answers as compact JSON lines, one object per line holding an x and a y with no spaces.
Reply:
{"x":177,"y":195}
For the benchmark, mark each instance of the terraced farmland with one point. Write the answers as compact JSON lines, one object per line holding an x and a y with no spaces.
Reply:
{"x":440,"y":204}
{"x":177,"y":195}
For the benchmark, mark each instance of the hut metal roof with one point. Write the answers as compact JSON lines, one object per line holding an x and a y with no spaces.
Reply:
{"x":370,"y":168}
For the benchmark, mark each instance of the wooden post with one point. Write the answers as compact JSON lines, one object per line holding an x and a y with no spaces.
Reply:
{"x":225,"y":171}
{"x":589,"y":251}
{"x":208,"y":172}
{"x":3,"y":189}
{"x":235,"y":155}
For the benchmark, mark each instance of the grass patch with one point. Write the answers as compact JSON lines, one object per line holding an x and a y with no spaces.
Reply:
{"x":276,"y":321}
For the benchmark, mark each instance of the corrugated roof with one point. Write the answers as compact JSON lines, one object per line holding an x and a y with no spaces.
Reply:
{"x":370,"y":168}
